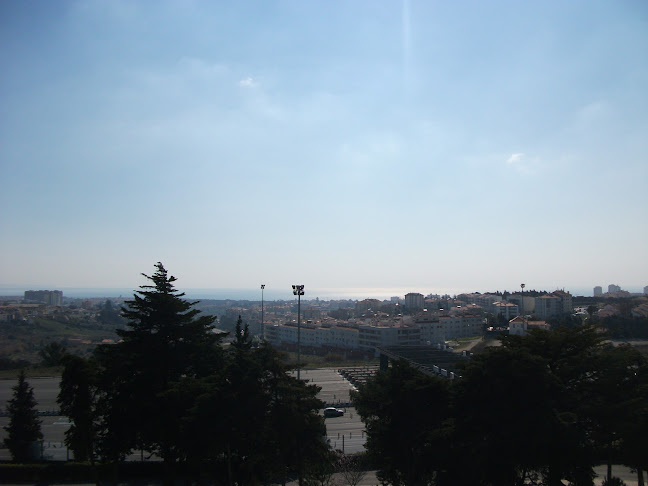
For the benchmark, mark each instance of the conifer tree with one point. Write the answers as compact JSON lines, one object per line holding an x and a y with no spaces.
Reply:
{"x":165,"y":340}
{"x":24,"y":425}
{"x":77,"y":399}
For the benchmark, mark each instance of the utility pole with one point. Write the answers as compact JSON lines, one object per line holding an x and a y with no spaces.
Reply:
{"x":298,"y":290}
{"x":262,"y":321}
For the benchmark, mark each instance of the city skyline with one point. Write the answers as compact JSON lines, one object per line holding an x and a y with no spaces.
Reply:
{"x":273,"y":294}
{"x":412,"y":145}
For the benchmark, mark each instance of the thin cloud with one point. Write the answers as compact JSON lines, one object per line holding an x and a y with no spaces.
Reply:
{"x":248,"y":83}
{"x":515,"y":158}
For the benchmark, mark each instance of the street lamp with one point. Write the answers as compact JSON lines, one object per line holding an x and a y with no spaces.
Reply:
{"x":262,"y":321}
{"x":298,"y":290}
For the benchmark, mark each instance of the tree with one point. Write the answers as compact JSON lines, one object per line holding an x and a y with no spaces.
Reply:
{"x":109,"y":314}
{"x":572,"y":358}
{"x":52,"y":354}
{"x":626,"y":389}
{"x":165,"y":341}
{"x":294,"y":433}
{"x":404,"y":412}
{"x":322,"y":472}
{"x":352,"y":468}
{"x":78,"y":401}
{"x":242,"y":335}
{"x":252,"y":421}
{"x":504,"y":418}
{"x":24,"y":425}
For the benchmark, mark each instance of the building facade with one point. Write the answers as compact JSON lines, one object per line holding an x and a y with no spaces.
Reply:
{"x":414,"y":301}
{"x":367,"y":335}
{"x":548,"y":306}
{"x":565,"y":300}
{"x":49,"y":297}
{"x":508,"y":310}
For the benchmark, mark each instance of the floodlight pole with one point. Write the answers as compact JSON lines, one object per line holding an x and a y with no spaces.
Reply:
{"x":298,"y":290}
{"x":262,"y":321}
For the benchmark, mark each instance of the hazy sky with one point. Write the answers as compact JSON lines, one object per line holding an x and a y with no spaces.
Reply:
{"x":339,"y":144}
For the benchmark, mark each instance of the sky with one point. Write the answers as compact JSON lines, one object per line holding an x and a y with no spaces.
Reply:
{"x":414,"y":145}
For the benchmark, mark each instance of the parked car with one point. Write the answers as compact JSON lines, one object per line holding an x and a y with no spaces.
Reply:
{"x":333,"y":412}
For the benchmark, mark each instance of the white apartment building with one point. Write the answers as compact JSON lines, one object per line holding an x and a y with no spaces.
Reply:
{"x":482,"y":300}
{"x":518,"y":326}
{"x":548,"y":306}
{"x":370,"y":336}
{"x":432,"y":331}
{"x":367,"y":335}
{"x":566,"y":300}
{"x":507,"y":309}
{"x":526,"y":304}
{"x":461,"y":326}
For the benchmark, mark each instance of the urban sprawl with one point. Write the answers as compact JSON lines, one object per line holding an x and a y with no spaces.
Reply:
{"x":366,"y":324}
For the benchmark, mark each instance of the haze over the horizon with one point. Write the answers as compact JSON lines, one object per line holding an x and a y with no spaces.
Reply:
{"x":342,"y":145}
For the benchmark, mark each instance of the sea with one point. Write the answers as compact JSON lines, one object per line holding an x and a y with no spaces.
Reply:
{"x":270,"y":294}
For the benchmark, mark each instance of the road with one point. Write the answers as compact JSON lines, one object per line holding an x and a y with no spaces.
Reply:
{"x":346,"y":433}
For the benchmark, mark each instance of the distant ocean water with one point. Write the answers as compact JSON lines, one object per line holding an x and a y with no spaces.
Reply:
{"x":276,"y":294}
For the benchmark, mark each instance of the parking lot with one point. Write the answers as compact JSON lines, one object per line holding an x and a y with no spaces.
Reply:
{"x":345,"y":433}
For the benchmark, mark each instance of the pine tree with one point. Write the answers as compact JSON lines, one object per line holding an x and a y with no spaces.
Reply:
{"x":165,"y":341}
{"x":77,"y":398}
{"x":24,"y":425}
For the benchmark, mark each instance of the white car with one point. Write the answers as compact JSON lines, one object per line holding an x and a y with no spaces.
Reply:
{"x":333,"y":412}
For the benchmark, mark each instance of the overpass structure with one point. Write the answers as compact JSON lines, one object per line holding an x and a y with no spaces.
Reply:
{"x":426,"y":359}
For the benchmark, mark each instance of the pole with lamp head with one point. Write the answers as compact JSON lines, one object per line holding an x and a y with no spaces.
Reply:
{"x":262,"y":321}
{"x":298,"y":290}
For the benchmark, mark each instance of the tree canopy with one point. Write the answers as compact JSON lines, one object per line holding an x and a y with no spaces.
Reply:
{"x":540,"y":409}
{"x":171,"y":389}
{"x":24,"y":425}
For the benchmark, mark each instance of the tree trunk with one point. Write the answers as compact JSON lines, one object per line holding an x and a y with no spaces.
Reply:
{"x":609,"y":471}
{"x":640,"y":477}
{"x":229,"y":466}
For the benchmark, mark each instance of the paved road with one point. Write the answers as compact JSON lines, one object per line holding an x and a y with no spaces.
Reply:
{"x":45,"y":392}
{"x":345,"y":433}
{"x":53,"y":428}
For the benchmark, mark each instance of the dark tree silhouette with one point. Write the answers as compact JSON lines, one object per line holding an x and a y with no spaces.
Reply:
{"x":404,"y":412}
{"x":52,"y":354}
{"x":24,"y":425}
{"x":165,"y":340}
{"x":77,"y":399}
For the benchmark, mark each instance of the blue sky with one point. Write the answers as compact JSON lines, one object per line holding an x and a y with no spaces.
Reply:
{"x":419,"y":145}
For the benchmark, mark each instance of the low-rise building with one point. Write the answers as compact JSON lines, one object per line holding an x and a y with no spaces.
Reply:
{"x":520,"y":326}
{"x":548,"y":306}
{"x":455,"y":327}
{"x":566,"y":301}
{"x":507,"y":310}
{"x":422,"y":330}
